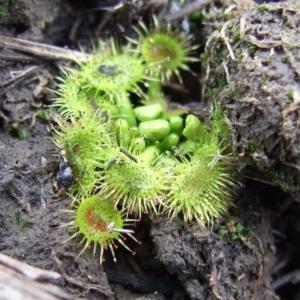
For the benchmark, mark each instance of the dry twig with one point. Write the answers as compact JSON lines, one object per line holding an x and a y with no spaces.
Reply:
{"x":43,"y":50}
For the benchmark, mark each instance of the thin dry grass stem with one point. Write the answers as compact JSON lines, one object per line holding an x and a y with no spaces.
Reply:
{"x":43,"y":50}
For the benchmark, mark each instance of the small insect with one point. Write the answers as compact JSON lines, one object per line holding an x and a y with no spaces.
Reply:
{"x":107,"y":70}
{"x":111,"y":163}
{"x":129,"y":155}
{"x":64,"y":176}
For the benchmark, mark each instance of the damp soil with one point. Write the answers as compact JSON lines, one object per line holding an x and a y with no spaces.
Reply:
{"x":251,"y":255}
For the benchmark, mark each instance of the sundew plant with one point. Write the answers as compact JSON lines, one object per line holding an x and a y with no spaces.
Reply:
{"x":119,"y":161}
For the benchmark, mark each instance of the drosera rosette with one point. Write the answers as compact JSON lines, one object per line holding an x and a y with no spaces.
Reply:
{"x":72,"y":100}
{"x":111,"y":70}
{"x":134,"y":174}
{"x":164,"y":51}
{"x":204,"y":181}
{"x":81,"y":140}
{"x":137,"y":183}
{"x":100,"y":225}
{"x":101,"y":81}
{"x":202,"y":186}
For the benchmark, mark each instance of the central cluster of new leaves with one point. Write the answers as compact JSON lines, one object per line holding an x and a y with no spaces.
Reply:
{"x":136,"y":160}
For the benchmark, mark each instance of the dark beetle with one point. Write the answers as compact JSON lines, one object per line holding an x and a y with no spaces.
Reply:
{"x":64,"y":176}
